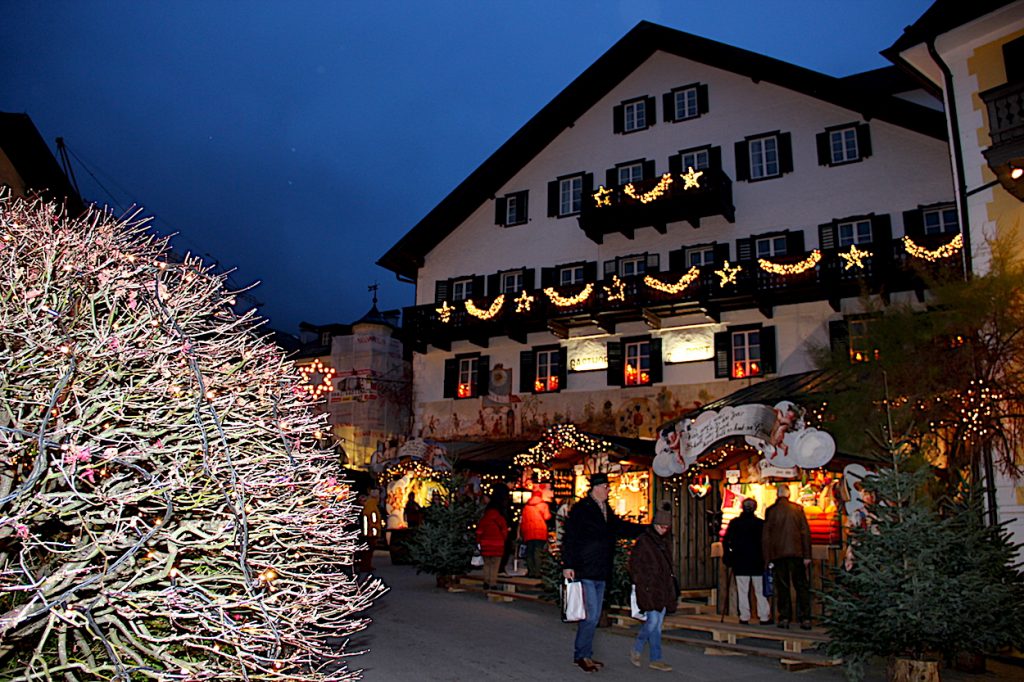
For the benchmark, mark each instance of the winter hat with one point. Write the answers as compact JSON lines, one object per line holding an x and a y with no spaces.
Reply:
{"x":663,"y":517}
{"x":598,"y":479}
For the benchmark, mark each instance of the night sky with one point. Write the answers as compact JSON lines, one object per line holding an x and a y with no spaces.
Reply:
{"x":298,"y":141}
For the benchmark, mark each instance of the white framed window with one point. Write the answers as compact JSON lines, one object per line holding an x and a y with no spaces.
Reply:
{"x":512,"y":210}
{"x":860,"y":350}
{"x":700,"y":255}
{"x":462,"y":289}
{"x":572,"y":274}
{"x":511,"y":282}
{"x":637,"y":363}
{"x":634,"y":116}
{"x":686,"y":104}
{"x":746,"y":354}
{"x":764,"y":157}
{"x":855,"y":232}
{"x":940,"y":220}
{"x":634,"y":265}
{"x":548,"y":370}
{"x":634,"y":172}
{"x":843,"y":145}
{"x":769,"y":247}
{"x":697,"y":160}
{"x":570,"y":193}
{"x":468,"y":369}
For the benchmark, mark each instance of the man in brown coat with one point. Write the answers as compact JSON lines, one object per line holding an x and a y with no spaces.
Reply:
{"x":786,"y":541}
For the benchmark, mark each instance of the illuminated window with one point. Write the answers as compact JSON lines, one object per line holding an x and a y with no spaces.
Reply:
{"x":512,"y":282}
{"x":635,"y":265}
{"x":570,"y":193}
{"x":697,"y":160}
{"x":700,"y":255}
{"x":941,"y":220}
{"x":856,"y":232}
{"x":637,"y":357}
{"x":572,"y":274}
{"x":634,"y":172}
{"x":860,"y":348}
{"x":467,"y":377}
{"x":686,"y":104}
{"x":843,"y":145}
{"x":764,"y":157}
{"x":634,"y":116}
{"x":548,"y":371}
{"x":746,"y":354}
{"x":462,"y":289}
{"x":768,"y":247}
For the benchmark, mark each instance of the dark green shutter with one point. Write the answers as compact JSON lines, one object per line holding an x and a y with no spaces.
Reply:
{"x":827,"y":236}
{"x":703,"y":104}
{"x":785,"y":153}
{"x":611,"y":177}
{"x":881,"y":234}
{"x":553,"y":198}
{"x":824,"y":148}
{"x":529,"y":275}
{"x":913,"y":223}
{"x":653,"y":263}
{"x":527,"y":371}
{"x":656,"y":361}
{"x":677,"y":260}
{"x":588,"y":187}
{"x":742,"y":160}
{"x":675,"y":164}
{"x":500,"y":210}
{"x":650,"y":111}
{"x":649,"y":169}
{"x":744,"y":249}
{"x":493,"y":284}
{"x":721,"y":253}
{"x":483,"y":375}
{"x":549,"y":277}
{"x":668,"y":107}
{"x":477,"y":288}
{"x":451,"y":378}
{"x":563,"y":368}
{"x":616,"y":373}
{"x":618,"y":119}
{"x":768,"y":351}
{"x":590,"y":271}
{"x":864,"y":140}
{"x":441,"y":291}
{"x":795,"y":242}
{"x":723,"y":354}
{"x":715,"y":158}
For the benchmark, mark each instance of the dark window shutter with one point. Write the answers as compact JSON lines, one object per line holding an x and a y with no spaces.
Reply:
{"x":1013,"y":60}
{"x":563,"y":368}
{"x":702,"y":99}
{"x":656,"y":361}
{"x":610,"y":268}
{"x":824,"y":148}
{"x":493,"y":284}
{"x":653,"y":262}
{"x":451,"y":377}
{"x":651,"y":111}
{"x":742,"y":161}
{"x":588,"y":186}
{"x":723,"y":353}
{"x":839,"y":335}
{"x":483,"y":375}
{"x":768,"y":351}
{"x":527,"y":371}
{"x":668,"y":107}
{"x":677,"y":260}
{"x":864,"y":140}
{"x":785,"y":153}
{"x":881,"y":231}
{"x":440,"y":291}
{"x":827,"y":236}
{"x":529,"y":278}
{"x":715,"y":158}
{"x":675,"y":164}
{"x":744,"y":249}
{"x":618,"y":119}
{"x":721,"y":253}
{"x":524,"y":206}
{"x":913,"y":223}
{"x":500,"y":210}
{"x":590,"y":271}
{"x":649,"y":169}
{"x":477,"y":288}
{"x":611,"y":177}
{"x":616,"y":374}
{"x":549,"y":277}
{"x":795,"y":243}
{"x":553,"y":198}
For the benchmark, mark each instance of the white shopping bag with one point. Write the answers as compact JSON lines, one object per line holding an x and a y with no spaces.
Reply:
{"x":573,"y":608}
{"x":633,"y":608}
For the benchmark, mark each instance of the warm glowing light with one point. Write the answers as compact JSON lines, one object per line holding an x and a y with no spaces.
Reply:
{"x":636,"y":376}
{"x":523,"y":302}
{"x":728,"y":274}
{"x":854,"y":257}
{"x":690,"y":178}
{"x":540,"y":386}
{"x":603,"y":196}
{"x":616,"y":291}
{"x":944,"y":251}
{"x":317,"y":378}
{"x":791,"y":268}
{"x":684,"y":281}
{"x":445,"y":311}
{"x":1016,"y":173}
{"x":656,"y":192}
{"x":465,"y":390}
{"x":741,"y":369}
{"x":566,"y":301}
{"x":490,"y":312}
{"x":558,"y":438}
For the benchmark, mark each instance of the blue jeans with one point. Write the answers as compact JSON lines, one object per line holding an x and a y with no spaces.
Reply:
{"x":650,"y":632}
{"x":593,"y":598}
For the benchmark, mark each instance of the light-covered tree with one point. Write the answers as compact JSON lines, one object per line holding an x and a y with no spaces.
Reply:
{"x":164,"y":513}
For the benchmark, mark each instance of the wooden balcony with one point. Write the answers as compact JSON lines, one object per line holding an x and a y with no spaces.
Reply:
{"x":672,"y":197}
{"x":709,"y":291}
{"x":1006,"y":128}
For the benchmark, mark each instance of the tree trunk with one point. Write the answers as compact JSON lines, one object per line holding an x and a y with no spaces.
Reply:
{"x":911,"y":670}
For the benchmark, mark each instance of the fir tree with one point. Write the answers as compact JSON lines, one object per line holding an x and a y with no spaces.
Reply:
{"x":443,"y":544}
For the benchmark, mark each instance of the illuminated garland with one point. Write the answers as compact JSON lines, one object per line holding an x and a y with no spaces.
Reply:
{"x":728,"y":274}
{"x":790,"y":268}
{"x":445,"y":312}
{"x":854,"y":257}
{"x":944,"y":251}
{"x":617,"y":290}
{"x":524,"y":302}
{"x":566,"y":301}
{"x":485,"y":314}
{"x":309,"y":373}
{"x":684,"y":281}
{"x":557,"y":438}
{"x":412,"y":467}
{"x":656,"y":192}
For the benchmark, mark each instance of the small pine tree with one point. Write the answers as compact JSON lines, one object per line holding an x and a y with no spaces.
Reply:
{"x":443,"y":544}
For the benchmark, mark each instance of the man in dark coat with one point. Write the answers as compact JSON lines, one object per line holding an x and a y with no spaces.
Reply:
{"x":650,"y":567}
{"x":588,"y":554}
{"x":744,"y":556}
{"x":786,"y":543}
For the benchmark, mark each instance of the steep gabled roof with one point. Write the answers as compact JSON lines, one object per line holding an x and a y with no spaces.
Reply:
{"x":405,"y":257}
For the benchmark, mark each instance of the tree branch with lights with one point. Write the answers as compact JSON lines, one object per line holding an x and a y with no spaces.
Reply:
{"x":164,"y":513}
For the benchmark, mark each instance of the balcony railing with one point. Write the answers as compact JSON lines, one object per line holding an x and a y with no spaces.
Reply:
{"x":672,"y":197}
{"x":709,"y":290}
{"x":1005,"y":112}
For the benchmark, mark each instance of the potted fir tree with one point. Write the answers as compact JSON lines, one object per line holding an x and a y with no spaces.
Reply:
{"x":443,"y":544}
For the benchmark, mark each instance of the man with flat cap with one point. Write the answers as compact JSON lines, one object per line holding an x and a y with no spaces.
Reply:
{"x":588,"y":554}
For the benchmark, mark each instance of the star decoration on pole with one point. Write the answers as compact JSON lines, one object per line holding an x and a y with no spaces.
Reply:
{"x":524,"y":302}
{"x":690,"y":178}
{"x":728,"y":274}
{"x":854,"y":257}
{"x":445,"y":311}
{"x":617,"y":290}
{"x":317,"y":378}
{"x":603,"y":196}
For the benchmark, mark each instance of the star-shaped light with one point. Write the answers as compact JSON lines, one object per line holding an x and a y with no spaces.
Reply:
{"x":317,"y":378}
{"x":445,"y":311}
{"x":603,"y":196}
{"x":690,"y":178}
{"x":854,"y":257}
{"x":728,"y":274}
{"x":524,"y":302}
{"x":617,"y":290}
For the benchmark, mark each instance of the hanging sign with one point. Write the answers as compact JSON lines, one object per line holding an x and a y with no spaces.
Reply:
{"x":586,"y":355}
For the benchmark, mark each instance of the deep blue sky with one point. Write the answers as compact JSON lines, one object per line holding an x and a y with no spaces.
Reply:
{"x":297,"y":141}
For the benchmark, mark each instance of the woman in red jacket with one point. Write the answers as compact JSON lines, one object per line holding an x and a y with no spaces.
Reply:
{"x":491,"y":532}
{"x":533,"y":528}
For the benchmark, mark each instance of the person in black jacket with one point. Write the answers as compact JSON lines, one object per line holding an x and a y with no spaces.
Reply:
{"x":743,"y":555}
{"x":588,"y":554}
